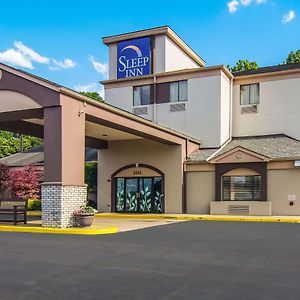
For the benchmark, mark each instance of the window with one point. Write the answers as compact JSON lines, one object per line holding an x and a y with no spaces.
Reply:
{"x":250,"y":94}
{"x":178,"y":91}
{"x":141,"y":95}
{"x":241,"y":188}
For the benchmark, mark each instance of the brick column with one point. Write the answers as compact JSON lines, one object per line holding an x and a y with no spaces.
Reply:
{"x":59,"y":202}
{"x":63,"y":190}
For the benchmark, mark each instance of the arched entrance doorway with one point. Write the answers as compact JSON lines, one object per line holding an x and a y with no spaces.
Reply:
{"x":138,"y":188}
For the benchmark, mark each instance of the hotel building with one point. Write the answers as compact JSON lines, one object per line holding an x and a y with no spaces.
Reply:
{"x":173,"y":136}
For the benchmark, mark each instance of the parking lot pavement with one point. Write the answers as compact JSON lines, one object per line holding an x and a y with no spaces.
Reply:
{"x":185,"y":260}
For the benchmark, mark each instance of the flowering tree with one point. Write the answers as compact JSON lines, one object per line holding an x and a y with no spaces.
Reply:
{"x":4,"y":176}
{"x":25,"y":182}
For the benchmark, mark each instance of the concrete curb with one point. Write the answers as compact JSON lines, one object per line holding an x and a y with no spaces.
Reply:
{"x":106,"y":230}
{"x":271,"y":219}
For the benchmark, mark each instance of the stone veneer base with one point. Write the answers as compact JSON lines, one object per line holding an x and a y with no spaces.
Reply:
{"x":59,"y":202}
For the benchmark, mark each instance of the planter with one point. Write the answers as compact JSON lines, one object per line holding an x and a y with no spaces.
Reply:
{"x":85,"y":220}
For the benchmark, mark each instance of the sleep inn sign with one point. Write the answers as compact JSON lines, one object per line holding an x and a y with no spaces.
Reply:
{"x":134,"y":58}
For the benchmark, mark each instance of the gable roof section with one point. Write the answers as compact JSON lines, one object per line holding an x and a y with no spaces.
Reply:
{"x":237,"y":155}
{"x":272,"y":147}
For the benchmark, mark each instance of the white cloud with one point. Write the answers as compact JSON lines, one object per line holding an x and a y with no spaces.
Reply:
{"x":261,"y":1}
{"x":290,"y":16}
{"x":90,"y":87}
{"x":101,"y":68}
{"x":30,"y":53}
{"x":246,"y":2}
{"x":15,"y":58}
{"x":67,"y":63}
{"x":22,"y":56}
{"x":233,"y":6}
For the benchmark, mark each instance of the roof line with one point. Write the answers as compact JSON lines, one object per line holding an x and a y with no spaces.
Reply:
{"x":170,"y":73}
{"x":216,"y":153}
{"x":106,"y":106}
{"x":167,"y":30}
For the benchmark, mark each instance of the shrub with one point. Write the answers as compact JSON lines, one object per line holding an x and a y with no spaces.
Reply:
{"x":25,"y":182}
{"x":34,"y":204}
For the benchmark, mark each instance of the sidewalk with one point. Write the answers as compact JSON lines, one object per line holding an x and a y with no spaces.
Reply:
{"x":195,"y":217}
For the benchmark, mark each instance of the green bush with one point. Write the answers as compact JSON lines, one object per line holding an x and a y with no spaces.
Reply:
{"x":34,"y":204}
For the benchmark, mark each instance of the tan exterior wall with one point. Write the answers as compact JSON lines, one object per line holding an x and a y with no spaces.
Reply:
{"x":281,"y":184}
{"x":277,"y":111}
{"x":256,"y":208}
{"x":200,"y":188}
{"x":166,"y":158}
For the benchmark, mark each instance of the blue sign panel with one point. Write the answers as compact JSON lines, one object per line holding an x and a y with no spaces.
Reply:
{"x":134,"y":58}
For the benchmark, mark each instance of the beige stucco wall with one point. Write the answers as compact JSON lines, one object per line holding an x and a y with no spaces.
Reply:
{"x":256,"y":208}
{"x":277,"y":111}
{"x":175,"y":58}
{"x":166,"y":158}
{"x":281,"y":184}
{"x":200,"y":188}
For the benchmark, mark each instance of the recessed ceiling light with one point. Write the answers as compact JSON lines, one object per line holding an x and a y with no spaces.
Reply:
{"x":104,"y":135}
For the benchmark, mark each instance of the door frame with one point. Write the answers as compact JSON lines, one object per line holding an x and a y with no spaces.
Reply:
{"x":113,"y":183}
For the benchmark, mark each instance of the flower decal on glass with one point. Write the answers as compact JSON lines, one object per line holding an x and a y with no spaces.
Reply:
{"x":131,"y":202}
{"x":145,"y":200}
{"x":158,"y":201}
{"x":120,"y":201}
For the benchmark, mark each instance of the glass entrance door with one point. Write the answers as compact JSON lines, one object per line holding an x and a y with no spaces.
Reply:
{"x":139,"y":195}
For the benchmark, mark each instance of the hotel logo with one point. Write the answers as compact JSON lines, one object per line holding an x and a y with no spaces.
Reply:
{"x":134,"y":58}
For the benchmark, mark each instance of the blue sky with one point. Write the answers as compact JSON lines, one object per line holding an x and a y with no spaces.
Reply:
{"x":61,"y":40}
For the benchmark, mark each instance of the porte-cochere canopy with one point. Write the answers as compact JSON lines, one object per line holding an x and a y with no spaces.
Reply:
{"x":68,"y":122}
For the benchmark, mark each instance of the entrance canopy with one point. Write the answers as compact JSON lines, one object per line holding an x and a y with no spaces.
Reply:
{"x":69,"y":121}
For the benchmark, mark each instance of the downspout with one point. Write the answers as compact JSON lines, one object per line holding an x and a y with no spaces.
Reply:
{"x":231,"y":107}
{"x":155,"y":101}
{"x":184,"y":190}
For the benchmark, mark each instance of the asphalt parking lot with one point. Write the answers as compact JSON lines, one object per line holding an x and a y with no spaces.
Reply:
{"x":186,"y":260}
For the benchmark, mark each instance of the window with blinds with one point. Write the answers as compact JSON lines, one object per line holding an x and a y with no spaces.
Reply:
{"x":249,"y":94}
{"x":241,"y":188}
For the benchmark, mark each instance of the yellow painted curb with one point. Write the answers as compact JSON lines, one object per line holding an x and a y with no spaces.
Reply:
{"x":106,"y":230}
{"x":202,"y":218}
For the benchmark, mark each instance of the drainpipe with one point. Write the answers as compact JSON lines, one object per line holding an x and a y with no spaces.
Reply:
{"x":184,"y":190}
{"x":231,"y":107}
{"x":154,"y":102}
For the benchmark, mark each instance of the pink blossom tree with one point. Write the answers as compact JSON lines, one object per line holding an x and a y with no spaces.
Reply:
{"x":25,"y":182}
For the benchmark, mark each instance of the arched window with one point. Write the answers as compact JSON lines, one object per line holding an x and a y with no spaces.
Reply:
{"x":241,"y":185}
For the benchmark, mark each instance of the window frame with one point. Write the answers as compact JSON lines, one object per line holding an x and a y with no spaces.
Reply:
{"x":249,"y":100}
{"x":178,"y":91}
{"x":141,"y":94}
{"x":252,"y":191}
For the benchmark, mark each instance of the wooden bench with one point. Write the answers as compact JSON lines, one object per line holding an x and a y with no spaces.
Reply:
{"x":14,"y":207}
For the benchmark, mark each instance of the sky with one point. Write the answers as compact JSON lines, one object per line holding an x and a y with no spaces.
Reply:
{"x":61,"y":40}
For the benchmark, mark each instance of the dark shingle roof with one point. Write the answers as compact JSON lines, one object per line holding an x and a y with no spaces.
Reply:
{"x":268,"y":69}
{"x":272,"y":146}
{"x":35,"y":156}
